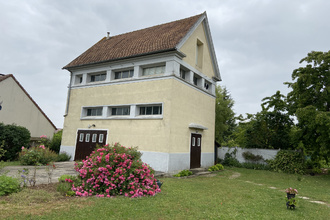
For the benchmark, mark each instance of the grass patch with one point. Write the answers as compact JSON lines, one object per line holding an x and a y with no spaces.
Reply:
{"x":247,"y":196}
{"x":10,"y":163}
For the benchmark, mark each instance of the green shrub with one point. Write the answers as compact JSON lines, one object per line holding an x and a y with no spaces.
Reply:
{"x":216,"y":167}
{"x":37,"y":155}
{"x":251,"y":157}
{"x":230,"y":161}
{"x":256,"y":166}
{"x":55,"y":143}
{"x":63,"y":156}
{"x":288,"y":162}
{"x":184,"y":173}
{"x":8,"y":185}
{"x":13,"y":137}
{"x":65,"y":184}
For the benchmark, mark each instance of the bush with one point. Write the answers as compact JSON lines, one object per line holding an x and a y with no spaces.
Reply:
{"x":230,"y":161}
{"x":216,"y":167}
{"x":256,"y":166}
{"x":183,"y":173}
{"x":8,"y":185}
{"x":288,"y":162}
{"x":55,"y":144}
{"x":251,"y":157}
{"x":63,"y":156}
{"x":13,"y":138}
{"x":37,"y":155}
{"x":115,"y":170}
{"x":65,"y":184}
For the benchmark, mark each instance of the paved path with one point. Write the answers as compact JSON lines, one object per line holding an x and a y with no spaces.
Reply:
{"x":42,"y":176}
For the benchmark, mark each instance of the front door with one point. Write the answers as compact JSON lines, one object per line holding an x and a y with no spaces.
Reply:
{"x":195,"y":150}
{"x":87,"y":141}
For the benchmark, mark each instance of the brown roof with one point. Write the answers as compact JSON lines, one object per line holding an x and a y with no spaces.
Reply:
{"x":160,"y":38}
{"x":3,"y":77}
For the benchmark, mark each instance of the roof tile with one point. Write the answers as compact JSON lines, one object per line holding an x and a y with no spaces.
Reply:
{"x":154,"y":39}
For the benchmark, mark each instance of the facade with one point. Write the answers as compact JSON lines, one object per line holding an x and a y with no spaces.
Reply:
{"x":17,"y":107}
{"x":153,"y":88}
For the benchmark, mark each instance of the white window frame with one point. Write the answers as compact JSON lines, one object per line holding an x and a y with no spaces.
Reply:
{"x":145,"y":107}
{"x":101,"y":74}
{"x":94,"y":136}
{"x":130,"y":74}
{"x":101,"y":137}
{"x":193,"y":142}
{"x":87,"y":109}
{"x":119,"y":107}
{"x":153,"y":70}
{"x":87,"y":137}
{"x":81,"y":137}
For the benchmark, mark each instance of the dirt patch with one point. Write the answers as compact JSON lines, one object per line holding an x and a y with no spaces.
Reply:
{"x":235,"y":175}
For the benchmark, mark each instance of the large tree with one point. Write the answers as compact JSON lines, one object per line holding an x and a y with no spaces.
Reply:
{"x":224,"y":115}
{"x":309,"y":100}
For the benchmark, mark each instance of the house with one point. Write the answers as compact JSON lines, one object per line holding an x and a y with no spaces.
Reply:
{"x":18,"y":107}
{"x":153,"y":88}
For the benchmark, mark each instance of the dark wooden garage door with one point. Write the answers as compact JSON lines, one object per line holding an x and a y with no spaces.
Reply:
{"x":195,"y":150}
{"x":87,"y":141}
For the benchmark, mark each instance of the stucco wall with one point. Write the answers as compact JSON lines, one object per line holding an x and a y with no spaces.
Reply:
{"x":17,"y":108}
{"x":189,"y":48}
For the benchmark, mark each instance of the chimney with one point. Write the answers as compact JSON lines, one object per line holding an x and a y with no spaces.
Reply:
{"x":108,"y":35}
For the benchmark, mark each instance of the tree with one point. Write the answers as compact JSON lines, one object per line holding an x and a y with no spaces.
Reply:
{"x":309,"y":100}
{"x":224,"y":115}
{"x":311,"y":84}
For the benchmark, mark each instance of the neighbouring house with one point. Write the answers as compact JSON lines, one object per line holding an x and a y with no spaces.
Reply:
{"x":153,"y":88}
{"x":17,"y":107}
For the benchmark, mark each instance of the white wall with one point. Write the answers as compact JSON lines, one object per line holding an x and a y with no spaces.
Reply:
{"x":267,"y":154}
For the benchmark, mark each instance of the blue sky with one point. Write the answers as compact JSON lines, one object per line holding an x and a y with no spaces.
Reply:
{"x":258,"y":43}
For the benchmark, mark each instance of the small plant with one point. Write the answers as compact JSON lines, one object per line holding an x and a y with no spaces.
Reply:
{"x":8,"y":185}
{"x":291,"y":191}
{"x":65,"y":184}
{"x":216,"y":167}
{"x":184,"y":173}
{"x":36,"y":155}
{"x":49,"y":169}
{"x":291,"y":200}
{"x":63,"y":156}
{"x":251,"y":157}
{"x":24,"y":176}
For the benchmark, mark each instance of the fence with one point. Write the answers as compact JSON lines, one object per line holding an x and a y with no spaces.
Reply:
{"x":267,"y":154}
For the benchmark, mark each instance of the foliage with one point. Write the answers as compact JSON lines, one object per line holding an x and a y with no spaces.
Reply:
{"x":251,"y":157}
{"x":255,"y":166}
{"x":288,"y":162}
{"x":224,"y":115}
{"x":65,"y":184}
{"x":115,"y":170}
{"x":63,"y":156}
{"x":13,"y":137}
{"x":2,"y":150}
{"x":230,"y":160}
{"x":55,"y":144}
{"x":8,"y":185}
{"x":37,"y":155}
{"x":183,"y":173}
{"x":216,"y":167}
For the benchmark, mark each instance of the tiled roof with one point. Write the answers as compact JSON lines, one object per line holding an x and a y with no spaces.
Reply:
{"x":160,"y":38}
{"x":3,"y":77}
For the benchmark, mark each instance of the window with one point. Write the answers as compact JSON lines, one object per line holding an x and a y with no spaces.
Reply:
{"x":98,"y":77}
{"x":78,"y":79}
{"x":199,"y":54}
{"x":94,"y":138}
{"x":81,"y":137}
{"x":153,"y":70}
{"x":207,"y":85}
{"x":182,"y":74}
{"x":94,"y":111}
{"x":101,"y":136}
{"x":151,"y":110}
{"x":120,"y":111}
{"x":124,"y":74}
{"x":87,"y":137}
{"x":198,"y":142}
{"x":196,"y":80}
{"x":193,"y":142}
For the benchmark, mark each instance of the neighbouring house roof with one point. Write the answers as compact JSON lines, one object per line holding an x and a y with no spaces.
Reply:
{"x":3,"y":77}
{"x":156,"y":39}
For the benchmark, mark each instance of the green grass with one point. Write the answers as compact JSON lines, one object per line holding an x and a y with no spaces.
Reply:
{"x":10,"y":163}
{"x":219,"y":197}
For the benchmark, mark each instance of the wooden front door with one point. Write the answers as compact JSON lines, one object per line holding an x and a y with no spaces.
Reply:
{"x":87,"y":141}
{"x":195,"y":150}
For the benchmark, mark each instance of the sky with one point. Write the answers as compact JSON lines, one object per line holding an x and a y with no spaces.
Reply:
{"x":258,"y":43}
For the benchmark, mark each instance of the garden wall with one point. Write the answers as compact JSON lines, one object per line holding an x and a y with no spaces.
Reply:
{"x":267,"y":154}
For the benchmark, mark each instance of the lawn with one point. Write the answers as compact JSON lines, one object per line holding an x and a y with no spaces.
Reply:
{"x":235,"y":193}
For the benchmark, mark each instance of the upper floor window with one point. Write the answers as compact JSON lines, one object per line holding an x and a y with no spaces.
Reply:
{"x":98,"y":77}
{"x":151,"y":110}
{"x":124,"y":74}
{"x":182,"y":74}
{"x":199,"y":54}
{"x":94,"y":111}
{"x":197,"y":80}
{"x":120,"y":110}
{"x":153,"y":70}
{"x":78,"y":79}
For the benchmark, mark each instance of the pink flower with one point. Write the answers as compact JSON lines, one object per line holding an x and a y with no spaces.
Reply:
{"x":42,"y":146}
{"x":43,"y":136}
{"x":23,"y":148}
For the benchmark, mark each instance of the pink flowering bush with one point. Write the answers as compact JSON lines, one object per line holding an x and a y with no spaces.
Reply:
{"x":115,"y":170}
{"x":36,"y":155}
